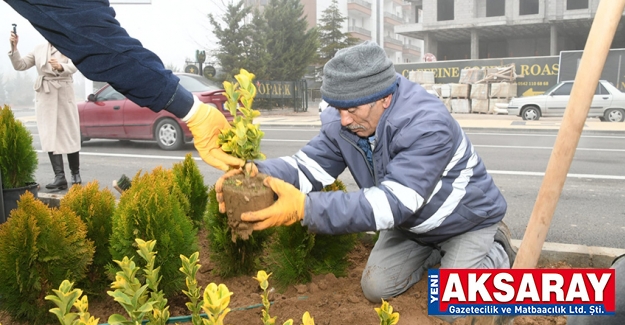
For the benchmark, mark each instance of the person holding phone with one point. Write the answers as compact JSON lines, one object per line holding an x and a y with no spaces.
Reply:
{"x":55,"y":107}
{"x":88,"y":33}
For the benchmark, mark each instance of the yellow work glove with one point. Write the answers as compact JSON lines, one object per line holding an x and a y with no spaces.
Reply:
{"x":206,"y":125}
{"x":250,"y":169}
{"x":288,"y":209}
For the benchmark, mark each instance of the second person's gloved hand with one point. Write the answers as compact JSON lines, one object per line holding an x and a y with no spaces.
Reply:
{"x":288,"y":209}
{"x":249,"y":168}
{"x":206,"y":125}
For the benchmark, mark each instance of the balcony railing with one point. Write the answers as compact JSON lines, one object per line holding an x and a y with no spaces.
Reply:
{"x":412,"y":47}
{"x":411,"y":50}
{"x":393,"y":16}
{"x":355,"y":29}
{"x":392,"y":40}
{"x":361,"y":2}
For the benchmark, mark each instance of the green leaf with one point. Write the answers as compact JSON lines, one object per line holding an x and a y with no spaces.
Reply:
{"x":118,"y":319}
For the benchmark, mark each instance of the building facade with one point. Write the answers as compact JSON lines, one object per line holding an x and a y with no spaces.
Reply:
{"x":477,"y":29}
{"x":373,"y":20}
{"x":376,"y":20}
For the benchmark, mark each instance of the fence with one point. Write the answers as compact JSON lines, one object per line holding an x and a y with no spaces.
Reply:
{"x":283,"y":94}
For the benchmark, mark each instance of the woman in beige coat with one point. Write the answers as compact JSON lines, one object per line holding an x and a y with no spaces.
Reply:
{"x":56,"y":110}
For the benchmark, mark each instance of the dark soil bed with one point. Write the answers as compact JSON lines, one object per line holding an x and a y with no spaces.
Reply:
{"x":329,"y":300}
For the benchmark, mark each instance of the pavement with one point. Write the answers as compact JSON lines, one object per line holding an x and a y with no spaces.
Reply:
{"x":473,"y":122}
{"x":579,"y":256}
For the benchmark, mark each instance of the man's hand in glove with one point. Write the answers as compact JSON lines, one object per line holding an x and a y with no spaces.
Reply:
{"x":206,"y":125}
{"x":288,"y":209}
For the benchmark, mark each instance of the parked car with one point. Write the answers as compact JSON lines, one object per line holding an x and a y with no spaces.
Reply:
{"x":608,"y":104}
{"x":107,"y":114}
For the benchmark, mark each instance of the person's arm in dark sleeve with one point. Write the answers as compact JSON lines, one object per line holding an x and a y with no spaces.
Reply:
{"x":88,"y":33}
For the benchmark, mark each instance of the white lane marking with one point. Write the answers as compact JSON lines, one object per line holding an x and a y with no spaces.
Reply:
{"x":477,"y":133}
{"x":494,"y":172}
{"x":543,"y":135}
{"x":544,"y":148}
{"x":482,"y":146}
{"x":520,"y":173}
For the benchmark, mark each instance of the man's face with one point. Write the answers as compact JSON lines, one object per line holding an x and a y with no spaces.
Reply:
{"x":362,"y":120}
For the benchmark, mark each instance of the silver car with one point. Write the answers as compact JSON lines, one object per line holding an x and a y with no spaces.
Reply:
{"x":608,"y":104}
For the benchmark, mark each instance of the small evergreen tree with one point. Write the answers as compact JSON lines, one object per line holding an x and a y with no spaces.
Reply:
{"x":95,"y":208}
{"x":231,"y":258}
{"x":191,"y":183}
{"x":39,"y":248}
{"x":331,"y":38}
{"x":295,"y":254}
{"x":18,"y":158}
{"x":151,"y":209}
{"x":292,"y":45}
{"x":231,"y":35}
{"x":258,"y":57}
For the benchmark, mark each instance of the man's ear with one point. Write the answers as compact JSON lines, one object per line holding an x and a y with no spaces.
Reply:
{"x":386,"y":101}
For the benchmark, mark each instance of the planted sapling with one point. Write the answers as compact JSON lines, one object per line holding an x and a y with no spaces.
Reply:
{"x":243,"y":193}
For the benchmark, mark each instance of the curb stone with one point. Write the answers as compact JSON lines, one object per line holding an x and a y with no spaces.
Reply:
{"x":578,"y":256}
{"x":50,"y":199}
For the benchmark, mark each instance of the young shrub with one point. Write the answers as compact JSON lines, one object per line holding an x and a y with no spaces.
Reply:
{"x":386,"y":314}
{"x":215,"y":303}
{"x":18,"y":158}
{"x":39,"y":248}
{"x":243,"y":139}
{"x":95,"y":207}
{"x":263,"y":281}
{"x":240,"y":257}
{"x":191,"y":183}
{"x":243,"y":192}
{"x":190,"y":267}
{"x":295,"y":254}
{"x":141,"y":301}
{"x":65,"y":298}
{"x":215,"y":300}
{"x":330,"y":251}
{"x":151,"y":209}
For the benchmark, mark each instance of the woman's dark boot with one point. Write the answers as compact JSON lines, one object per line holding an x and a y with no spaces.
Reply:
{"x":74,"y":166}
{"x":59,"y":183}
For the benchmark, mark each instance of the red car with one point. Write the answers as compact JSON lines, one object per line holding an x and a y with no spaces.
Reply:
{"x":107,"y":114}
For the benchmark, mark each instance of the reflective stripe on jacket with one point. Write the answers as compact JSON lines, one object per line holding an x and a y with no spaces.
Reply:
{"x":426,"y":176}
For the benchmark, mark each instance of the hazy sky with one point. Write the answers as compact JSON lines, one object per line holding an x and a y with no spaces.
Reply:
{"x":173,"y":29}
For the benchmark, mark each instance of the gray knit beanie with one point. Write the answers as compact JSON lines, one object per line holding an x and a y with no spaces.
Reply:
{"x":358,"y":75}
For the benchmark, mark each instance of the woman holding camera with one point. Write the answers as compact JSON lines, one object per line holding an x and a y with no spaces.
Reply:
{"x":55,"y":106}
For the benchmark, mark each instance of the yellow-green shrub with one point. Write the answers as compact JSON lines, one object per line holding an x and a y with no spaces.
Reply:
{"x":242,"y":140}
{"x":65,"y":298}
{"x":18,"y":158}
{"x":386,"y":314}
{"x":231,"y":258}
{"x":95,"y":207}
{"x":142,"y":302}
{"x":39,"y":248}
{"x":294,"y":254}
{"x":151,"y":210}
{"x":191,"y":183}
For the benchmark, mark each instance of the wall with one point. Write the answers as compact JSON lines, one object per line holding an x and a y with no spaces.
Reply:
{"x":540,"y":73}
